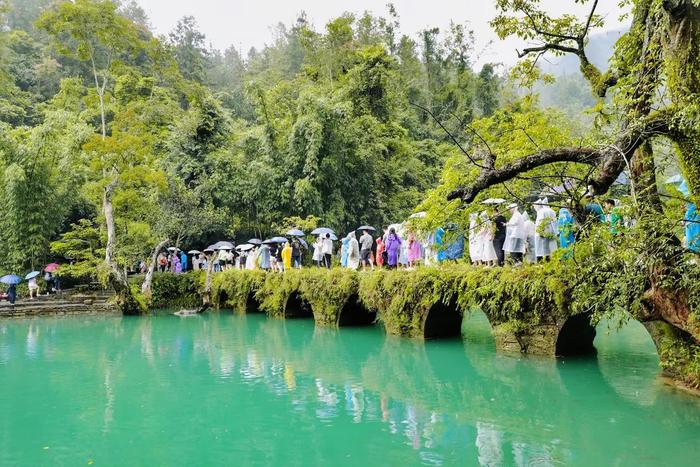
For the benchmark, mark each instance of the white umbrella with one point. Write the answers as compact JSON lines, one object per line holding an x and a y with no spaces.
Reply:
{"x":493,"y":201}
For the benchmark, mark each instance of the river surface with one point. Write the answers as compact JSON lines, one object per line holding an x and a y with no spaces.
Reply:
{"x":244,"y":390}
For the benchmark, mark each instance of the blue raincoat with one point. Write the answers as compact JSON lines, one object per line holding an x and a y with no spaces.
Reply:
{"x":566,"y":228}
{"x":344,"y":251}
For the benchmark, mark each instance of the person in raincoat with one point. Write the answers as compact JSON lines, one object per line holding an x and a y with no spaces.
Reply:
{"x":183,"y":261}
{"x":515,"y":235}
{"x":565,"y":224}
{"x":403,"y":254}
{"x":692,"y":228}
{"x":393,"y":247}
{"x":530,"y":236}
{"x":318,"y":251}
{"x":353,"y":251}
{"x":415,"y":250}
{"x":251,"y":260}
{"x":177,"y":267}
{"x":287,"y":256}
{"x":545,"y":230}
{"x":381,"y":250}
{"x":474,"y":247}
{"x":487,"y":252}
{"x":264,"y":258}
{"x":344,"y":245}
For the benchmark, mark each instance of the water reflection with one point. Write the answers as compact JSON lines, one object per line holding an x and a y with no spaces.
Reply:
{"x":434,"y":403}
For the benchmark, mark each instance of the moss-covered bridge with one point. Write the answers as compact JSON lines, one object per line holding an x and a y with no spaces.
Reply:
{"x":530,"y":310}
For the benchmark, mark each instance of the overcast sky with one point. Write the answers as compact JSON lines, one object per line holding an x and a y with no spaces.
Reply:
{"x":246,"y":23}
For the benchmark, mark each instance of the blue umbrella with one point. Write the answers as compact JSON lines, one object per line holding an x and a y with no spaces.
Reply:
{"x":32,"y":275}
{"x":279,"y":240}
{"x":295,"y":233}
{"x":10,"y":279}
{"x":322,"y":231}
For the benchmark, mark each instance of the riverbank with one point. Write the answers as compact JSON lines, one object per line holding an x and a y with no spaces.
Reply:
{"x":79,"y":301}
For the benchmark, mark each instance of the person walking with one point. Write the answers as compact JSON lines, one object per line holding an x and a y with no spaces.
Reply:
{"x":354,"y":254}
{"x":183,"y":261}
{"x":33,"y":288}
{"x":162,"y":262}
{"x":12,"y":294}
{"x":546,"y":230}
{"x":366,"y":242}
{"x":327,"y":251}
{"x":487,"y":251}
{"x":393,"y":248}
{"x":264,"y":258}
{"x":344,"y":251}
{"x":415,"y":250}
{"x":318,"y":251}
{"x":499,"y":237}
{"x":565,"y":225}
{"x":297,"y":251}
{"x":381,"y":252}
{"x":515,"y":235}
{"x":287,"y":252}
{"x":474,"y":245}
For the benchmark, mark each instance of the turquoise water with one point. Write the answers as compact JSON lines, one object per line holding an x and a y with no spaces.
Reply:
{"x":227,"y":390}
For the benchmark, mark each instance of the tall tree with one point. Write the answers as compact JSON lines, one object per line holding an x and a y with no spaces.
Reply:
{"x":93,"y":31}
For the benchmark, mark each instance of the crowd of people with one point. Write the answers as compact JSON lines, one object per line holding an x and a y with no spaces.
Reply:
{"x":501,"y":233}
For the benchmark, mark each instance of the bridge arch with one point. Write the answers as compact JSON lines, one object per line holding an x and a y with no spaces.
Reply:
{"x":576,"y":336}
{"x":443,"y":320}
{"x":297,"y":307}
{"x":355,"y":313}
{"x":252,"y":304}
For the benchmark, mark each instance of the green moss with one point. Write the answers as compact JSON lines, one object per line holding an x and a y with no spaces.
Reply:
{"x":233,"y":288}
{"x":177,"y":290}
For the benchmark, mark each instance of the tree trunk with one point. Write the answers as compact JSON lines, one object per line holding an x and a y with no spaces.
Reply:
{"x":148,"y":280}
{"x":117,"y":278}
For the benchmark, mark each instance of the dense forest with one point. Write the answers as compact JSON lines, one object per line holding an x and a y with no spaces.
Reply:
{"x":339,"y":125}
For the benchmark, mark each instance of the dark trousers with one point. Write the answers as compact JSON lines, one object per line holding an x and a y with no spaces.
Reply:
{"x":498,"y":246}
{"x":327,"y":260}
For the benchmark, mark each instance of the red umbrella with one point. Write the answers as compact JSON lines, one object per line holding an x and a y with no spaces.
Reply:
{"x":51,"y":267}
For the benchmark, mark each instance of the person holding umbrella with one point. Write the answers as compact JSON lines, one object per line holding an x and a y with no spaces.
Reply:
{"x":12,"y":281}
{"x":32,"y":284}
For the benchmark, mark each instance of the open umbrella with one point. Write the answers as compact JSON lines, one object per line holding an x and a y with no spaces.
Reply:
{"x":193,"y":252}
{"x":210,"y":249}
{"x":245,"y":247}
{"x":304,"y":245}
{"x":51,"y":267}
{"x":223,"y":246}
{"x":295,"y":233}
{"x":494,"y":201}
{"x":255,"y":241}
{"x":367,"y":228}
{"x":11,"y":279}
{"x":172,"y":248}
{"x":322,"y":231}
{"x":32,"y":275}
{"x":279,"y":240}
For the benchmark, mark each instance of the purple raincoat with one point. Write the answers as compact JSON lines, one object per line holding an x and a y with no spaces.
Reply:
{"x":393,"y":246}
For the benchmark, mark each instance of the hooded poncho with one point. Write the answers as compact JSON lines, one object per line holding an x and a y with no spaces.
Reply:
{"x":545,"y":230}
